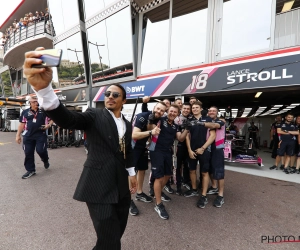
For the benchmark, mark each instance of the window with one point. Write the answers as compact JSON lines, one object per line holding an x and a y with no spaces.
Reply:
{"x":110,"y":45}
{"x":246,"y":26}
{"x":119,"y":36}
{"x":155,"y":39}
{"x":189,"y":28}
{"x":64,"y":14}
{"x":97,"y":34}
{"x":71,"y":66}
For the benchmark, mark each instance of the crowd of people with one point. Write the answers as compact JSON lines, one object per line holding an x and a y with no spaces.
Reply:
{"x":177,"y":135}
{"x":286,"y":144}
{"x":205,"y":144}
{"x":28,"y":20}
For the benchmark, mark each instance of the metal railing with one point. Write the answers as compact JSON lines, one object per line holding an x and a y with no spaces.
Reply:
{"x":21,"y":34}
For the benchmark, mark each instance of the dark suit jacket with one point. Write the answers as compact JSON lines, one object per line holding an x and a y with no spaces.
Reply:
{"x":104,"y":178}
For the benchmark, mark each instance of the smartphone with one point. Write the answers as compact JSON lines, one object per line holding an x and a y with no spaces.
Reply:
{"x":50,"y":58}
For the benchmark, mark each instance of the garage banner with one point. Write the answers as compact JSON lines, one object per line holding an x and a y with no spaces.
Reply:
{"x":271,"y":72}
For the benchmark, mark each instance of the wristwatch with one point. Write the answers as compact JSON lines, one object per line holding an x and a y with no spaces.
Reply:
{"x":150,"y":132}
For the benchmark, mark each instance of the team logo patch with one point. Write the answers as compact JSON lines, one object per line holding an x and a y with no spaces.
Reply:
{"x":283,"y":125}
{"x":142,"y":119}
{"x":165,"y":123}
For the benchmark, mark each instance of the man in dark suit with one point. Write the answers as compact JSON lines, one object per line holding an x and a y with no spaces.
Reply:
{"x":103,"y":184}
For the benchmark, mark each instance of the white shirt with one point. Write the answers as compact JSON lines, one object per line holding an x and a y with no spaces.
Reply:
{"x":48,"y":100}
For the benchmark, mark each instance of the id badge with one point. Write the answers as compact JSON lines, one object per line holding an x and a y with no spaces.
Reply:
{"x":34,"y":120}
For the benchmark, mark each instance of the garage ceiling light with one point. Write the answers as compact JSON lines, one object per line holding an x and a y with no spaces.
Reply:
{"x":258,"y":94}
{"x":287,"y":6}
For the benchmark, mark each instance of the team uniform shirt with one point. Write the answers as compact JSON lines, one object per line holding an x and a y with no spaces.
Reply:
{"x":274,"y":128}
{"x":252,"y":131}
{"x":288,"y":127}
{"x":220,"y":135}
{"x":199,"y":133}
{"x":217,"y":154}
{"x":140,"y":121}
{"x":164,"y":141}
{"x":33,"y":122}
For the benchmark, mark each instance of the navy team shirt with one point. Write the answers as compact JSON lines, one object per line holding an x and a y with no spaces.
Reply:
{"x":141,"y":121}
{"x":164,"y":141}
{"x":288,"y":127}
{"x":199,"y":133}
{"x":274,"y":128}
{"x":32,"y":128}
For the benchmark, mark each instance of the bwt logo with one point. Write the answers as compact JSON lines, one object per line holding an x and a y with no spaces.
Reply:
{"x":135,"y":89}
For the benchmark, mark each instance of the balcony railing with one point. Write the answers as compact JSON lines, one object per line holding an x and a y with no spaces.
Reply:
{"x":38,"y":28}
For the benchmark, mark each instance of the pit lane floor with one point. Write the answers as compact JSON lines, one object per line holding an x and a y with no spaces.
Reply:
{"x":40,"y":214}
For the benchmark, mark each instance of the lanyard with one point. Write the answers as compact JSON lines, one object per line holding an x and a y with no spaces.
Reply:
{"x":34,"y":114}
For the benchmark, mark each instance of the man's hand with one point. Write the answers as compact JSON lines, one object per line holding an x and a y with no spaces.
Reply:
{"x":146,"y":99}
{"x":132,"y":184}
{"x":18,"y":139}
{"x":186,"y":124}
{"x":192,"y":154}
{"x":45,"y":127}
{"x":279,"y":143}
{"x":156,"y":130}
{"x":39,"y":78}
{"x":199,"y":151}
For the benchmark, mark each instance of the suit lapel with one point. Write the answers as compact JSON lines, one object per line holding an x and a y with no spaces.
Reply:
{"x":113,"y":128}
{"x":128,"y":128}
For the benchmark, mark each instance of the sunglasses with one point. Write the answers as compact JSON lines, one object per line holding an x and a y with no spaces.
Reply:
{"x":114,"y":94}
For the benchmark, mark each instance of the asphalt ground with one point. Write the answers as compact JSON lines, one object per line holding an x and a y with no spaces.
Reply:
{"x":40,"y":214}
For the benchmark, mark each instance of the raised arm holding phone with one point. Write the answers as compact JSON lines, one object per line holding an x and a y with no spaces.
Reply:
{"x":103,"y":184}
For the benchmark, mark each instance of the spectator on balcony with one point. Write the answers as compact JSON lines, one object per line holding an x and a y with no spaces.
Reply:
{"x":7,"y":31}
{"x":47,"y":15}
{"x":37,"y":16}
{"x":11,"y":30}
{"x":18,"y":25}
{"x":31,"y":19}
{"x":14,"y":26}
{"x":25,"y":21}
{"x":42,"y":15}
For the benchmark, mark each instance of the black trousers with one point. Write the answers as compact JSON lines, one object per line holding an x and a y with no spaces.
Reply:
{"x":275,"y":146}
{"x":109,"y":221}
{"x":182,"y":158}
